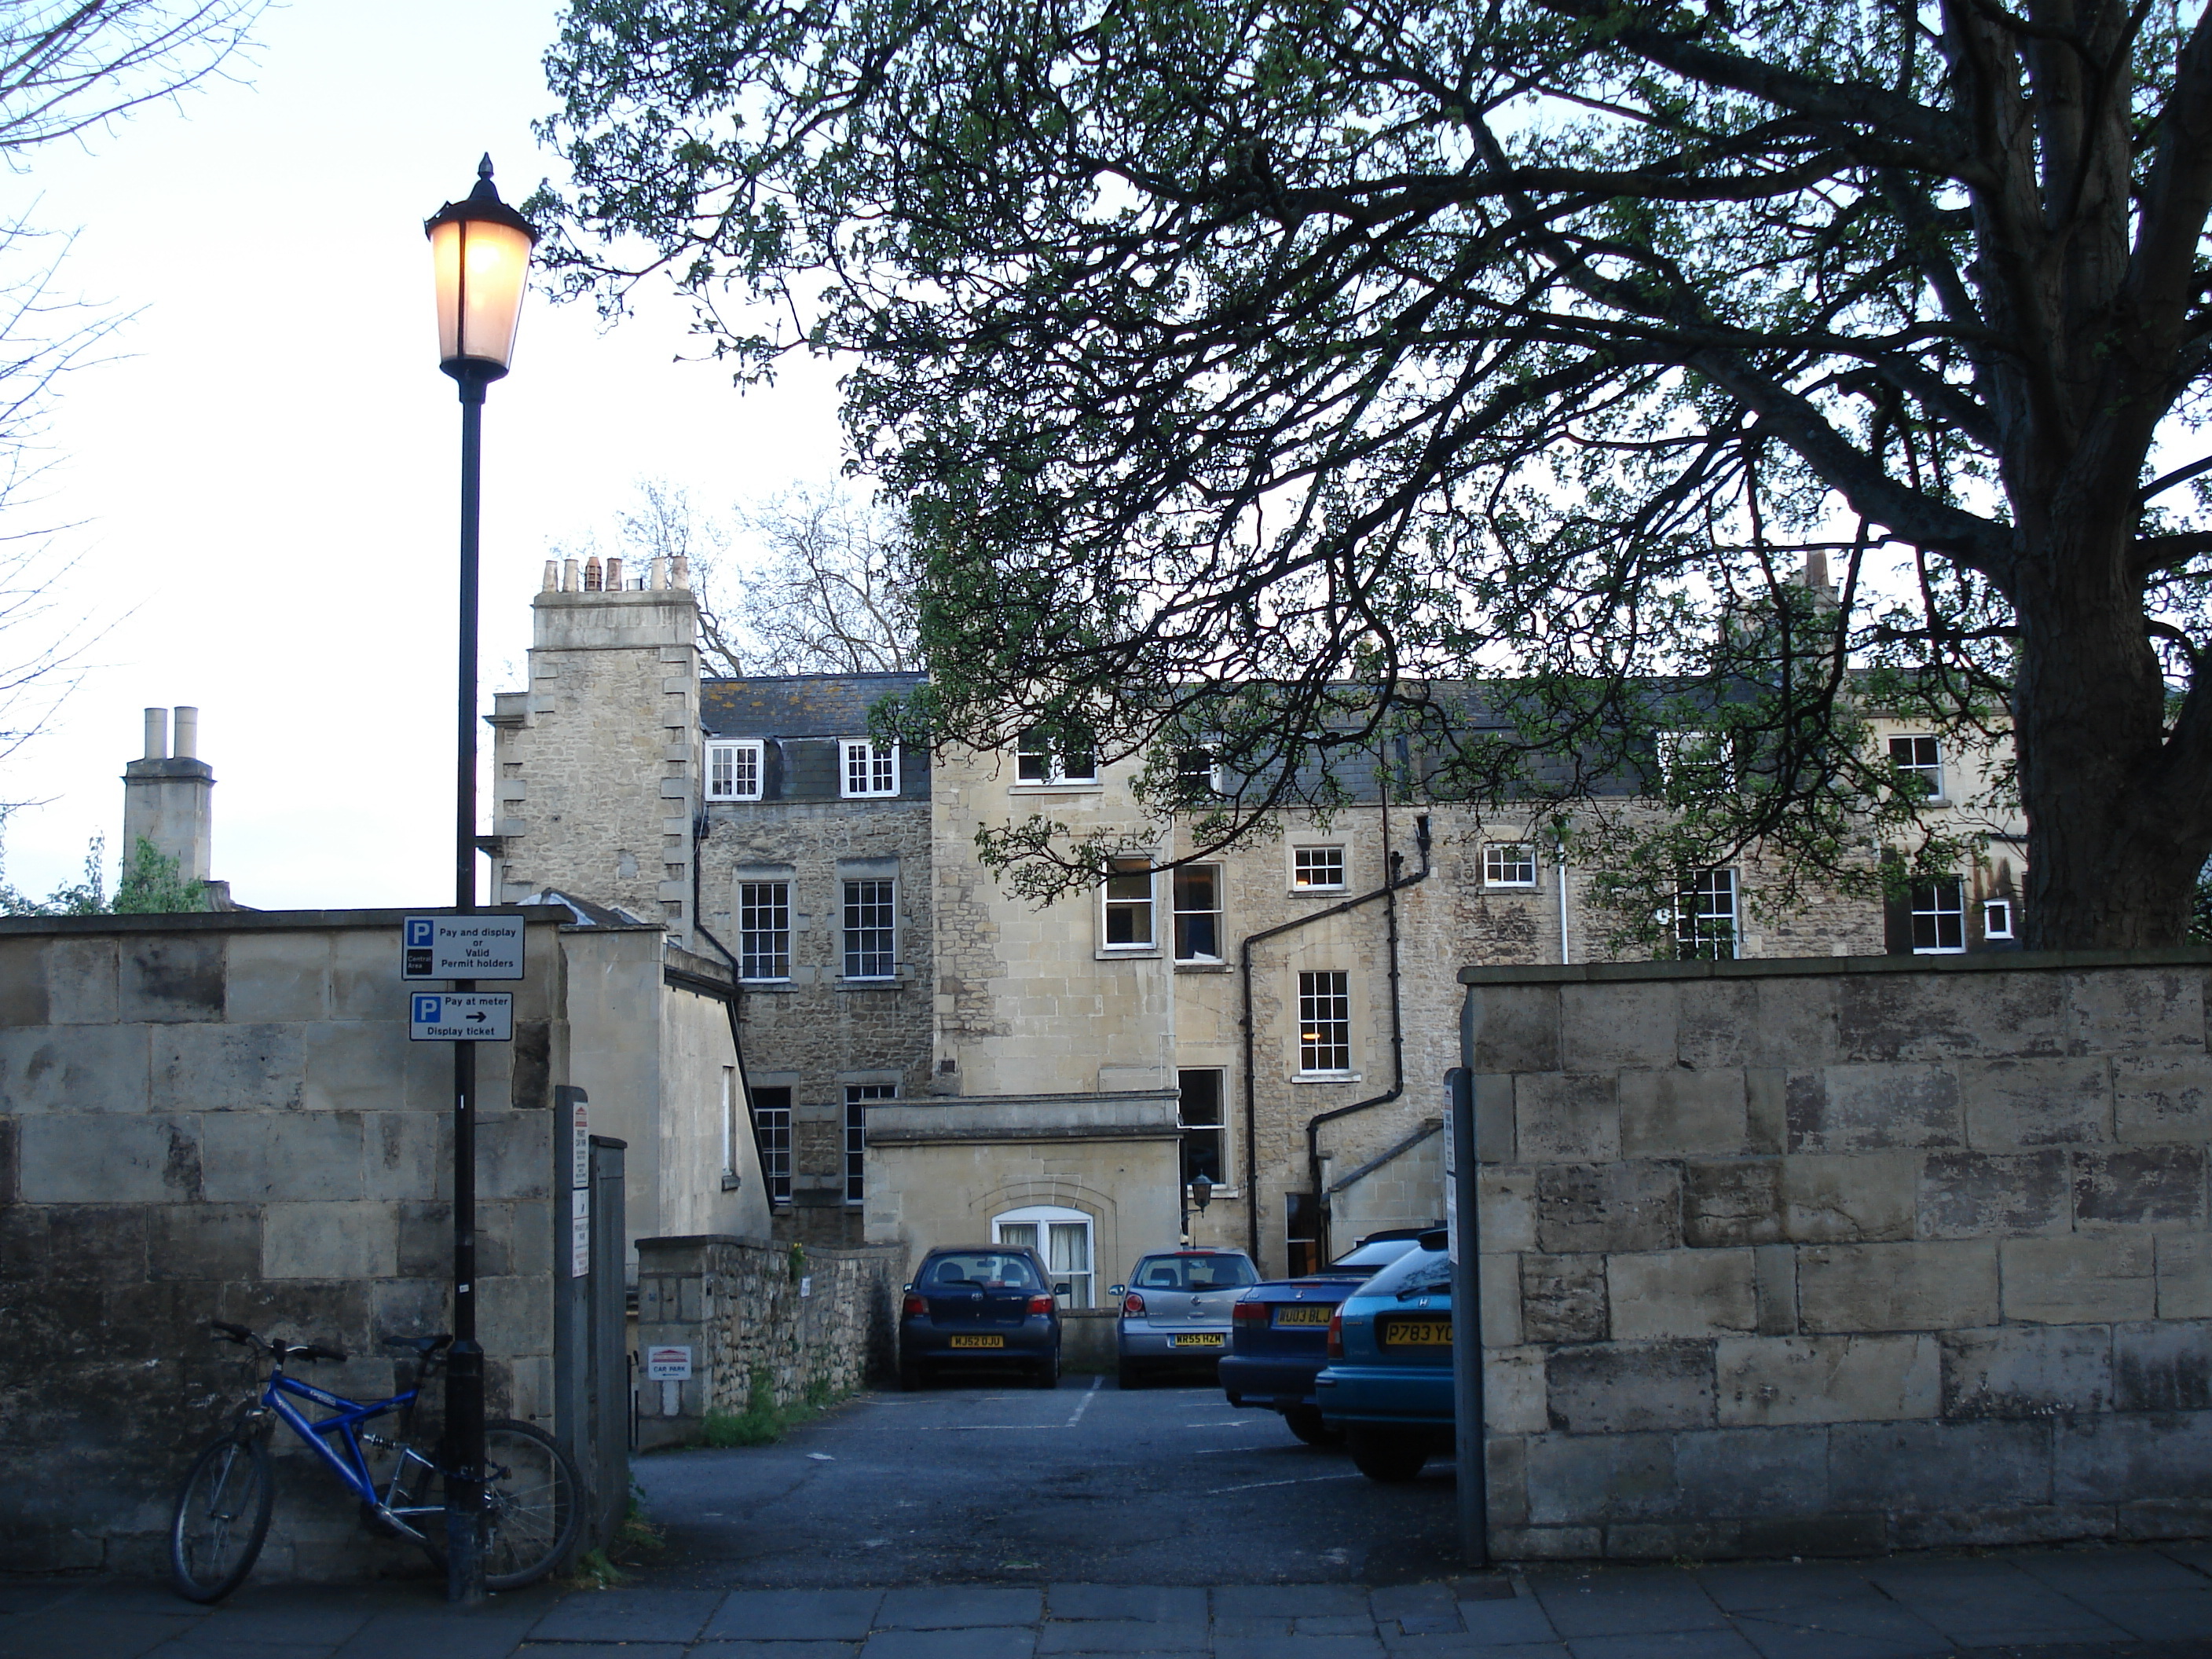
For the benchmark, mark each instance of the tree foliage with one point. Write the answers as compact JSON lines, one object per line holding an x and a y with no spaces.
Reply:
{"x":151,"y":884}
{"x":1293,"y":378}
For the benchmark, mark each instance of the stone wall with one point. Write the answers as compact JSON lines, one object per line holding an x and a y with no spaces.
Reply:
{"x":220,"y":1116}
{"x":1843,"y":1255}
{"x":807,"y":1314}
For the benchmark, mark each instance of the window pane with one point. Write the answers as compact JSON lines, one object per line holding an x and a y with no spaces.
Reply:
{"x":1318,"y":866}
{"x":871,"y":930}
{"x":856,"y":1131}
{"x":1020,"y":1234}
{"x":1706,"y":917}
{"x":1509,"y":864}
{"x":1325,"y":1022}
{"x":1129,"y":902}
{"x":1198,"y":1109}
{"x":764,"y":929}
{"x":1939,"y":916}
{"x":1198,"y":913}
{"x":1032,"y":759}
{"x":772,"y":1114}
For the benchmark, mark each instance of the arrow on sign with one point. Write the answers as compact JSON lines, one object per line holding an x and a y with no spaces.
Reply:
{"x":478,"y":1018}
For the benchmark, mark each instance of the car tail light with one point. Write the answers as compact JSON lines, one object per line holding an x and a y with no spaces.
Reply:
{"x":1040,"y":1304}
{"x":1249,"y":1313}
{"x":915,"y":1307}
{"x":1336,"y":1334}
{"x":1133,"y":1304}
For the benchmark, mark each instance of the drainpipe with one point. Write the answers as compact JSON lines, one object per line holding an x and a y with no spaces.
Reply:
{"x":1245,"y":1021}
{"x":1397,"y":1024}
{"x":1559,"y":848}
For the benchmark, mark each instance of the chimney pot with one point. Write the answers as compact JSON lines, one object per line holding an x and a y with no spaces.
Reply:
{"x":614,"y":575}
{"x":157,"y":734}
{"x":188,"y":733}
{"x":591,"y":574}
{"x":571,"y":580}
{"x":680,"y":574}
{"x":552,"y":582}
{"x":659,"y":573}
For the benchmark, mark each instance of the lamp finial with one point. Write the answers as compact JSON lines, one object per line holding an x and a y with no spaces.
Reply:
{"x":484,"y":167}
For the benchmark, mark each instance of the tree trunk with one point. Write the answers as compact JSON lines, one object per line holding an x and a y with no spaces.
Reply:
{"x":2118,"y":828}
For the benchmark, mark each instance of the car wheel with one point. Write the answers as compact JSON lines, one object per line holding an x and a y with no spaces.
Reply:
{"x":910,"y":1376}
{"x":1047,"y":1371}
{"x":1127,"y":1376}
{"x":1388,"y":1457}
{"x":1305,"y":1422}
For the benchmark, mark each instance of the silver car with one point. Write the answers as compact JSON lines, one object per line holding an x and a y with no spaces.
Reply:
{"x":1175,"y":1312}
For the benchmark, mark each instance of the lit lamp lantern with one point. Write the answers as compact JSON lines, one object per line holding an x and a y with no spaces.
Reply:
{"x":480,"y":255}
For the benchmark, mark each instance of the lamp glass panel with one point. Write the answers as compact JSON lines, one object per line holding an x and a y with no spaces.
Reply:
{"x":481,"y":270}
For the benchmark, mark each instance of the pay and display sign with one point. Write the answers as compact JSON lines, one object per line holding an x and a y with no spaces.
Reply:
{"x":460,"y":947}
{"x":461,"y":1016}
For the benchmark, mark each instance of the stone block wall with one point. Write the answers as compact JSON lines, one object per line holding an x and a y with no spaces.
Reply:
{"x":806,"y":1315}
{"x":1843,"y":1255}
{"x":220,"y":1116}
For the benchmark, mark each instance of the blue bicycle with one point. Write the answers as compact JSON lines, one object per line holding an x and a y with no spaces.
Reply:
{"x":531,"y":1508}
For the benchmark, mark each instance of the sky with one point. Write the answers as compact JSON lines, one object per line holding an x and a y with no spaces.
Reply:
{"x":263,"y":476}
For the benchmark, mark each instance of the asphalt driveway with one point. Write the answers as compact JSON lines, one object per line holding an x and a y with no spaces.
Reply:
{"x":965,"y":1483}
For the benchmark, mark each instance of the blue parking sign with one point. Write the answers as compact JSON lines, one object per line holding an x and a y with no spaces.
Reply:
{"x":418,"y":931}
{"x":428,"y":1010}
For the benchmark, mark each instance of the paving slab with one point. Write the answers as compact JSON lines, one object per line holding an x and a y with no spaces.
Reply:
{"x":74,"y":1631}
{"x":17,"y":1600}
{"x":775,"y":1650}
{"x":461,"y":1633}
{"x":184,"y":1647}
{"x":1160,"y":1602}
{"x":1507,"y":1624}
{"x":2109,"y":1572}
{"x":1413,"y":1602}
{"x":998,"y":1642}
{"x":599,"y":1650}
{"x":1752,"y":1587}
{"x":1849,"y":1631}
{"x":1665,"y":1644}
{"x":1990,"y":1602}
{"x":1122,"y":1636}
{"x":629,"y":1615}
{"x":1626,"y":1603}
{"x":950,"y":1606}
{"x":2157,"y":1615}
{"x":795,"y":1615}
{"x":1459,"y":1647}
{"x":1298,"y":1647}
{"x":1288,"y":1601}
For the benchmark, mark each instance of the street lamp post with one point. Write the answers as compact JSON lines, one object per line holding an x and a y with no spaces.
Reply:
{"x":480,"y":257}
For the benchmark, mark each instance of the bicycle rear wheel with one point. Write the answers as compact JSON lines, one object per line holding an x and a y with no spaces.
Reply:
{"x":532,"y":1506}
{"x":221,"y":1519}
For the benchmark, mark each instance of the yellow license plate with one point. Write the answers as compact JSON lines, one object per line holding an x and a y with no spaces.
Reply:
{"x":1196,"y":1339}
{"x":1417,"y":1333}
{"x":1311,"y":1313}
{"x":979,"y":1341}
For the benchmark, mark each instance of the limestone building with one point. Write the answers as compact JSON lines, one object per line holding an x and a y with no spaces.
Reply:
{"x":932,"y":1059}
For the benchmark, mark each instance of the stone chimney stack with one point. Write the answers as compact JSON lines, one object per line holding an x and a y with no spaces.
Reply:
{"x":168,"y":798}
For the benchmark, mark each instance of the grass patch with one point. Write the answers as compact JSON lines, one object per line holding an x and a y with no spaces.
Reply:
{"x":635,"y":1542}
{"x":762,"y":1422}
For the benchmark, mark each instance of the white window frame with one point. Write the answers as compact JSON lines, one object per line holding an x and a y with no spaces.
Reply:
{"x":874,"y":766}
{"x":856,"y":1134}
{"x":1692,"y":924}
{"x":743,"y":757}
{"x":1343,"y":867}
{"x":747,"y":956}
{"x":1494,"y":860}
{"x":1124,"y":869}
{"x":1313,"y":1045}
{"x":1216,"y":775}
{"x":1930,"y":772}
{"x":1937,"y":913}
{"x":773,"y":1125}
{"x":729,"y":1107}
{"x":1176,"y":887}
{"x":846,"y":931}
{"x":1082,"y":1283}
{"x":1224,"y":1187}
{"x":1992,"y":927}
{"x":1050,"y":765}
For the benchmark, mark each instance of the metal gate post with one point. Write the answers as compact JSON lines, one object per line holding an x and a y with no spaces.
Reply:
{"x":609,"y":1337}
{"x":1461,"y":1202}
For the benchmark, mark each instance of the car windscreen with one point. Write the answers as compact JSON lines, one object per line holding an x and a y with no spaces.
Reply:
{"x":987,"y":1269}
{"x":1192,"y":1272}
{"x":1418,"y":1272}
{"x":1380,"y":1253}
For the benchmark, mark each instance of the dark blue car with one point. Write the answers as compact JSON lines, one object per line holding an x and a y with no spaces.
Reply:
{"x":1389,"y":1384}
{"x":1278,"y":1329}
{"x":980,"y":1307}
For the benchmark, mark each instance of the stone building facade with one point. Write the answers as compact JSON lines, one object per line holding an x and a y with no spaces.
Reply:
{"x":1294,"y":996}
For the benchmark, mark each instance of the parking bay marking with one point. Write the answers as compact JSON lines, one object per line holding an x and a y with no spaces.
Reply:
{"x":1084,"y":1404}
{"x":1303,"y":1481}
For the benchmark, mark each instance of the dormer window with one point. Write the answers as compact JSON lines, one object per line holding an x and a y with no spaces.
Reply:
{"x":733,"y":771}
{"x":1039,"y":763}
{"x":869,"y":767}
{"x":1920,"y":758}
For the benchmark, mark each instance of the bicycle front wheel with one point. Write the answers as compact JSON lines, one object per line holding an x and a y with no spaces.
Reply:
{"x":221,"y":1516}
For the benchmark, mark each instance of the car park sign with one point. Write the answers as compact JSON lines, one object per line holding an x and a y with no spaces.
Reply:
{"x":461,"y":1016}
{"x":460,"y":947}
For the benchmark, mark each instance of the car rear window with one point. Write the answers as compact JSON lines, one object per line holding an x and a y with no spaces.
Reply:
{"x":1194,"y":1272}
{"x":987,"y":1268}
{"x":1417,"y":1270}
{"x":1380,"y":1253}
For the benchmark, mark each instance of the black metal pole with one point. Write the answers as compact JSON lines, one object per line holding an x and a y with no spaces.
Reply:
{"x":465,"y":1401}
{"x":1463,"y":1195}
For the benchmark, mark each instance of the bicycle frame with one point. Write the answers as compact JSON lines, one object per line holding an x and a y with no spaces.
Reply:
{"x":346,"y":1416}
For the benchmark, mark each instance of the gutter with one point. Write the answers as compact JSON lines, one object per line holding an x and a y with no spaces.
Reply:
{"x":1244,"y":1019}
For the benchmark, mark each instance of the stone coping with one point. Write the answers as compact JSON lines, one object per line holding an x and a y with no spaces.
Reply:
{"x":1979,"y":962}
{"x":267,"y":922}
{"x":698,"y":1241}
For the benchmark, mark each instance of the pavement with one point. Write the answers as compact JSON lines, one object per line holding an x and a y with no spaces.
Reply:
{"x":2109,"y":1603}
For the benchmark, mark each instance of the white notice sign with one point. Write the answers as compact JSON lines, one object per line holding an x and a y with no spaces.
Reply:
{"x":579,"y":1232}
{"x":580,"y":1147}
{"x":460,"y":947}
{"x":668,"y":1364}
{"x":461,"y":1016}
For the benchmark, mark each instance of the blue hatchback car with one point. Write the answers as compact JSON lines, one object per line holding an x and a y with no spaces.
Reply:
{"x":1389,"y":1383}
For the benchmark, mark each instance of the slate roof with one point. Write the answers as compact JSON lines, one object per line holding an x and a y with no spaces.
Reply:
{"x":797,"y":705}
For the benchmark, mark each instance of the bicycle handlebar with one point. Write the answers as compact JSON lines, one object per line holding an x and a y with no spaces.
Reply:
{"x":223,"y":1329}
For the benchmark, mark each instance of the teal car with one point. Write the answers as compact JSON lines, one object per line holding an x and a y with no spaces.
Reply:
{"x":1387,"y":1386}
